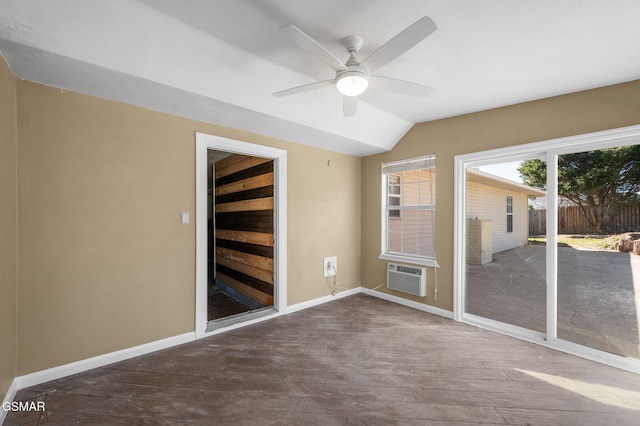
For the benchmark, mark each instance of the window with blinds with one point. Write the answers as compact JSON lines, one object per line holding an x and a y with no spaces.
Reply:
{"x":410,"y":205}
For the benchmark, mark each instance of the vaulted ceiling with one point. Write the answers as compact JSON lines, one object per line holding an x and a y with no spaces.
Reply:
{"x":220,"y":60}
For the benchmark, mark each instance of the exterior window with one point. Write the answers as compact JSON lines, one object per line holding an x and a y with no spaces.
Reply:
{"x":509,"y":213}
{"x":410,"y":202}
{"x":394,"y":194}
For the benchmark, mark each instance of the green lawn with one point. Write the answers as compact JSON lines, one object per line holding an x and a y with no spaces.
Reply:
{"x":583,"y":242}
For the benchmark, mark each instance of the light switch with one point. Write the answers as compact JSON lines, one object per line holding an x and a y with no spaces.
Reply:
{"x":184,"y":218}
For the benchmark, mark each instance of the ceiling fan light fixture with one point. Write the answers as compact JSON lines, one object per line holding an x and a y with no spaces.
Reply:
{"x":352,"y":83}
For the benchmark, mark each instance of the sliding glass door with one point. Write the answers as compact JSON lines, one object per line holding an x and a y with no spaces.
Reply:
{"x":548,"y":243}
{"x":505,"y":270}
{"x":598,"y":274}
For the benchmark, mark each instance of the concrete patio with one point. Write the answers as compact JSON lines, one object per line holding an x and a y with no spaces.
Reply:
{"x":598,"y":295}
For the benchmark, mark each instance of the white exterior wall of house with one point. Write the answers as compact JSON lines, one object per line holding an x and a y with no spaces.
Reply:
{"x":490,"y":203}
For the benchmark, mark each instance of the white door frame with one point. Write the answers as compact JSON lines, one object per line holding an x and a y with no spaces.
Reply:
{"x":205,"y":142}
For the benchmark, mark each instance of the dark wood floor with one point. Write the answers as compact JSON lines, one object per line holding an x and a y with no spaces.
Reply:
{"x":221,"y":305}
{"x":355,"y":361}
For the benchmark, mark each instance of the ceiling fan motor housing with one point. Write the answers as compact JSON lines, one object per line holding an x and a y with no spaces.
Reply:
{"x":355,"y":79}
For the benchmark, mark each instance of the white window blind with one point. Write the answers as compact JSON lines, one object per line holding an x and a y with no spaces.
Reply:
{"x":410,"y":200}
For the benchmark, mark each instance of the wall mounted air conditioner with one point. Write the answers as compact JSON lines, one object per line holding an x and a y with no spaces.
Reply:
{"x":408,"y":279}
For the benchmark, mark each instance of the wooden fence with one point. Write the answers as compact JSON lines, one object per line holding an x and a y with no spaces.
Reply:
{"x":571,"y":220}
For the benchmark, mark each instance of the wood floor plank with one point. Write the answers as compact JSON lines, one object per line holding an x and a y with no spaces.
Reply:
{"x":553,"y":401}
{"x":355,"y":361}
{"x":566,"y":417}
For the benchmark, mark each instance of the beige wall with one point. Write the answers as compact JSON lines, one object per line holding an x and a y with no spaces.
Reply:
{"x":104,"y":263}
{"x":8,"y":228}
{"x":572,"y":114}
{"x":323,"y":220}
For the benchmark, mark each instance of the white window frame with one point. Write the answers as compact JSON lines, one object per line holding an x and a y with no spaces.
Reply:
{"x":400,"y":257}
{"x":509,"y":200}
{"x":549,"y":151}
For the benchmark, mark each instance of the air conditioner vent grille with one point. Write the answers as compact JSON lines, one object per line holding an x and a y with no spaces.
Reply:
{"x":409,"y":270}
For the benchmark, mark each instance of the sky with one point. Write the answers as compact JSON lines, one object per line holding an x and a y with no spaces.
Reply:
{"x":504,"y":170}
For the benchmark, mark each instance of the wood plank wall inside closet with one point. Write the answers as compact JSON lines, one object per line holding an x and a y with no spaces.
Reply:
{"x":244,"y":200}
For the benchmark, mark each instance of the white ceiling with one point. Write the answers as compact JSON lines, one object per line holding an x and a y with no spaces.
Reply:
{"x":221,"y":60}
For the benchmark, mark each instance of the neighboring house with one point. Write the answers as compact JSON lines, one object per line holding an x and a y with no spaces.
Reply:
{"x":503,"y":207}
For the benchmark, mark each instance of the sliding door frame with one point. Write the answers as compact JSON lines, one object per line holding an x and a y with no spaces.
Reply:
{"x":549,"y":151}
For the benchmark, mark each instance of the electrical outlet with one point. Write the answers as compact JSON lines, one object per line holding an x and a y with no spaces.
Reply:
{"x":330,"y":266}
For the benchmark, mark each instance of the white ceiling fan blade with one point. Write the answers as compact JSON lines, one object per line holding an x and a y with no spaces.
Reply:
{"x":304,"y":88}
{"x":349,"y":105}
{"x":313,"y":47}
{"x":399,"y":86}
{"x":402,"y":42}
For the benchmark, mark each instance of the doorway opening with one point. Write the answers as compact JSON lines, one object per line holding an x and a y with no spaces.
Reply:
{"x":241,"y":233}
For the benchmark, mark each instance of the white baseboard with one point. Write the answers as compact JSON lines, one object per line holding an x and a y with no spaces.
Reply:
{"x":11,"y":393}
{"x":409,"y":303}
{"x":99,"y":361}
{"x":321,"y":300}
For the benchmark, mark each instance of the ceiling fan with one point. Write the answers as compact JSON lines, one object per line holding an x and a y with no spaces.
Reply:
{"x":353,"y":77}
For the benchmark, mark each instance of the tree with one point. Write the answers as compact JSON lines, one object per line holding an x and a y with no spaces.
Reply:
{"x":599,"y":182}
